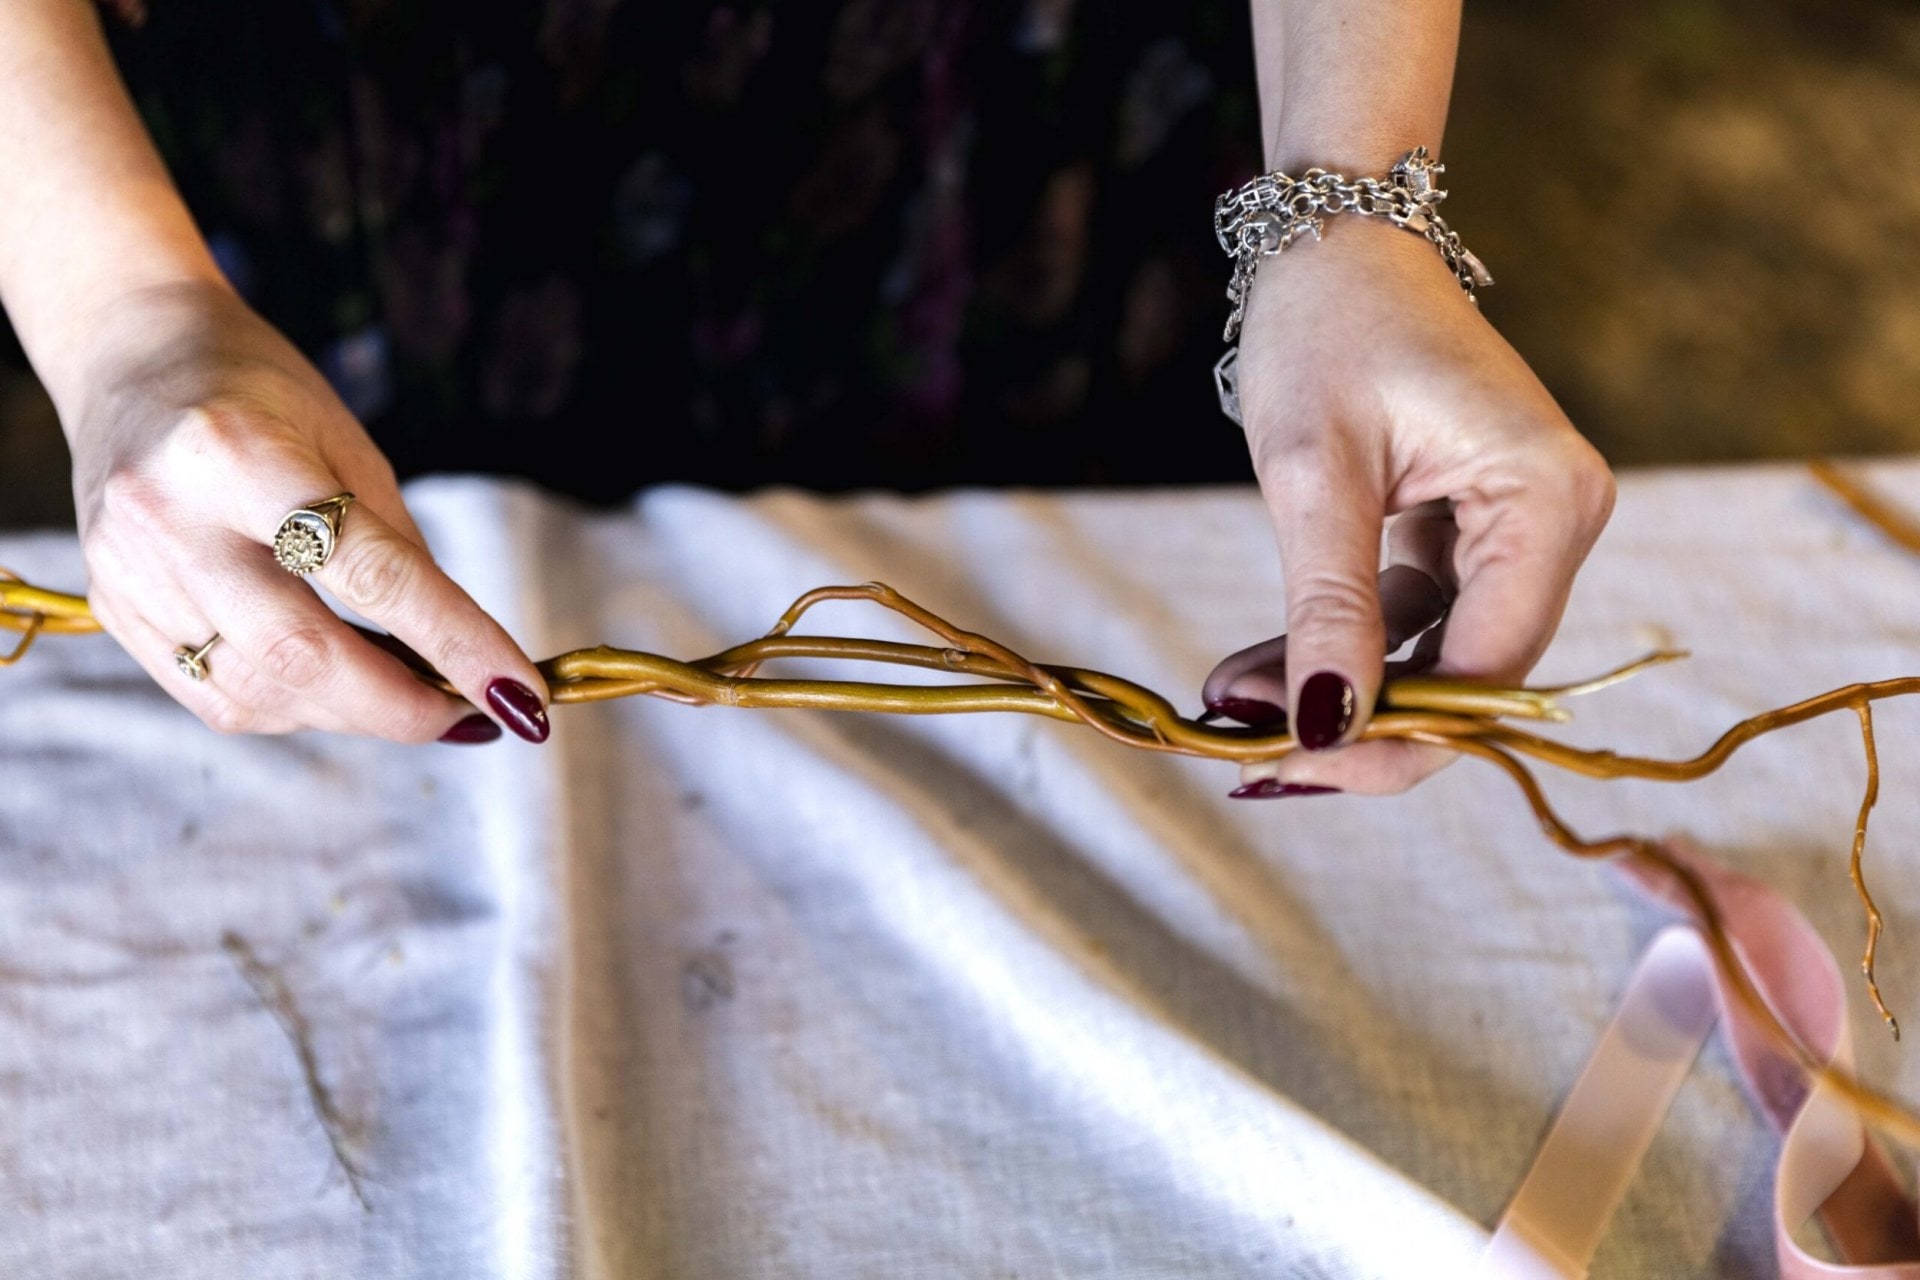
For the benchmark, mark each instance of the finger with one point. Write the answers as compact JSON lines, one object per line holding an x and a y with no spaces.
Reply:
{"x":147,"y":645}
{"x":167,"y":609}
{"x":1416,"y":592}
{"x":371,"y":478}
{"x":154,"y":644}
{"x":1381,"y":768}
{"x":1247,"y":686}
{"x":241,"y":700}
{"x":1423,"y":538}
{"x":385,"y":577}
{"x":1414,"y":598}
{"x":408,"y":658}
{"x":299,"y":646}
{"x":1516,"y":557}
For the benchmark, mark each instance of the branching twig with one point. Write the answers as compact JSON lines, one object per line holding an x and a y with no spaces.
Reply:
{"x":1456,"y":715}
{"x":1859,"y":879}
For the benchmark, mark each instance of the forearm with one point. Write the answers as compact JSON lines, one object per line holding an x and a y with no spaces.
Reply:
{"x":88,"y":214}
{"x":1352,"y":85}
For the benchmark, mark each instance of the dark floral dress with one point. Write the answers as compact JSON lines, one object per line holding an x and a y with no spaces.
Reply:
{"x":603,"y":244}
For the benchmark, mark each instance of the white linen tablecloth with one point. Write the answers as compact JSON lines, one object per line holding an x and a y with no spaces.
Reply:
{"x":710,"y":993}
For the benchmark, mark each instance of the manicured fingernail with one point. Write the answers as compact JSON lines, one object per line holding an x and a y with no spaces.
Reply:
{"x":1274,"y":789}
{"x":1324,"y":710}
{"x":1247,"y":710}
{"x":520,"y":707}
{"x":475,"y":728}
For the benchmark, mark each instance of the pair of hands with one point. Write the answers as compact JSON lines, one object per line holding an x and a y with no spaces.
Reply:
{"x":1371,"y":389}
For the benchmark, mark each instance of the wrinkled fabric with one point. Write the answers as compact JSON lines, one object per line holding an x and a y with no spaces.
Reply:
{"x":707,"y":992}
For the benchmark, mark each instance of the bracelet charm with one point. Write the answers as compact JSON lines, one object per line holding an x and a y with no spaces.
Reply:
{"x":1271,"y":213}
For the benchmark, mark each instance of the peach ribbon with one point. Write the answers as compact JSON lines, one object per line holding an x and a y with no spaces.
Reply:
{"x":1828,"y":1167}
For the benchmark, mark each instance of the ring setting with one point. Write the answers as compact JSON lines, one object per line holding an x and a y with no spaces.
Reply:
{"x":193,"y":662}
{"x":306,"y":538}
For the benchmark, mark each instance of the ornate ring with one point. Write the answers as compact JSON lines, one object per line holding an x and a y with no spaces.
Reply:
{"x":306,"y":537}
{"x":193,"y":662}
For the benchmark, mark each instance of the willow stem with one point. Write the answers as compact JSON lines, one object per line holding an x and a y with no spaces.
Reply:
{"x":1456,"y":715}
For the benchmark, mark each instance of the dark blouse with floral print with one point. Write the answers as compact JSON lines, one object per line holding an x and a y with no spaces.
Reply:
{"x":603,"y":244}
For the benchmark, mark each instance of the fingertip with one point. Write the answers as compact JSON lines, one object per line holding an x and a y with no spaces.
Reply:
{"x":472,"y":729}
{"x":1252,"y":712}
{"x":519,"y":709}
{"x":1225,"y":679}
{"x":1274,"y":789}
{"x":1378,"y":768}
{"x":1253,"y":697}
{"x":1325,"y":710}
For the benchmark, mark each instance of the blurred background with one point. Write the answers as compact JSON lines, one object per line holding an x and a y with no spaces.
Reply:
{"x":911,"y":244}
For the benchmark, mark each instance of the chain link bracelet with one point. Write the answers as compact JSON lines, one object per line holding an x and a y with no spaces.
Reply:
{"x":1266,"y":216}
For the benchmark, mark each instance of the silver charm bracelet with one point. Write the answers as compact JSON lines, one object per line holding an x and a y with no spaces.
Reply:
{"x":1268,"y":215}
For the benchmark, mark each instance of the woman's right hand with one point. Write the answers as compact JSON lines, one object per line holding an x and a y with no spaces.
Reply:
{"x":195,"y":429}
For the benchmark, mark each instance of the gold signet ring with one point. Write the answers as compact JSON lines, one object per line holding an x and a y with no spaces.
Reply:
{"x":306,"y":538}
{"x":193,"y":662}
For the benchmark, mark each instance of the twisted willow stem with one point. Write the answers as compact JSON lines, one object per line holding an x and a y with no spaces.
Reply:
{"x":1455,"y":715}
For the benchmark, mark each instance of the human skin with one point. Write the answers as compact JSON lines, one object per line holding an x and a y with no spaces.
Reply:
{"x":1373,"y":389}
{"x":195,"y":427}
{"x":1370,"y":387}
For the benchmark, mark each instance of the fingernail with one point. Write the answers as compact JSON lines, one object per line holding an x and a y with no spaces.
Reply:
{"x":520,"y":707}
{"x":1274,"y":789}
{"x":1324,"y":710}
{"x":475,"y":728}
{"x":1247,"y":710}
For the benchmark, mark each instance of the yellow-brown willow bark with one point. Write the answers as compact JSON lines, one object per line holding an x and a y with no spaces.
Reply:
{"x":1467,"y":718}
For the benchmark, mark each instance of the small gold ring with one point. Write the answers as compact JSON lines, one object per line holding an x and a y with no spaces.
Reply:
{"x":306,"y":538}
{"x":193,"y":662}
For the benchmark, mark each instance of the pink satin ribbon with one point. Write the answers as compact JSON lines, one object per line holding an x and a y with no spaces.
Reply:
{"x":1828,"y":1167}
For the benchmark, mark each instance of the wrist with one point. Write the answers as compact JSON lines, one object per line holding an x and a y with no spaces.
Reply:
{"x":1352,"y":85}
{"x":1359,"y":260}
{"x":1358,"y":149}
{"x":118,"y":330}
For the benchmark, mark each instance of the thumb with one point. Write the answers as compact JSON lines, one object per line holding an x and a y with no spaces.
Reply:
{"x":1328,"y":511}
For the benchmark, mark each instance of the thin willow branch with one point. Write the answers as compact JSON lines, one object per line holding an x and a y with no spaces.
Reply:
{"x":1455,"y":715}
{"x":1867,"y":802}
{"x":1868,"y":505}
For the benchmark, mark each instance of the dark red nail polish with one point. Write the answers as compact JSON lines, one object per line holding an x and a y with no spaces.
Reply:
{"x":1274,"y":789}
{"x":1323,"y":711}
{"x":475,"y":728}
{"x":520,"y":707}
{"x":1250,"y":711}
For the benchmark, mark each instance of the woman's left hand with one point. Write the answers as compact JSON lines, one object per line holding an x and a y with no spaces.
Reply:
{"x":1372,"y":389}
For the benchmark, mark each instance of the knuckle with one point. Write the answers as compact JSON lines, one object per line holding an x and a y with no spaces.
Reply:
{"x":1289,"y":451}
{"x":375,"y":577}
{"x":297,"y":658}
{"x":378,"y":466}
{"x":1582,"y":486}
{"x":227,"y":441}
{"x":1328,"y":602}
{"x":244,"y":683}
{"x":229,"y":718}
{"x":1595,"y":489}
{"x":224,"y":428}
{"x":419,"y":720}
{"x":130,"y":495}
{"x":455,"y":655}
{"x":209,"y":438}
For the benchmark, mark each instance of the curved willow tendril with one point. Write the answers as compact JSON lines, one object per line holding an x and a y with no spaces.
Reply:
{"x":1867,"y":801}
{"x":1455,"y":715}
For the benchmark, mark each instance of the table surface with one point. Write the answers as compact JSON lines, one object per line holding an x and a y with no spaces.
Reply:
{"x":708,"y":993}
